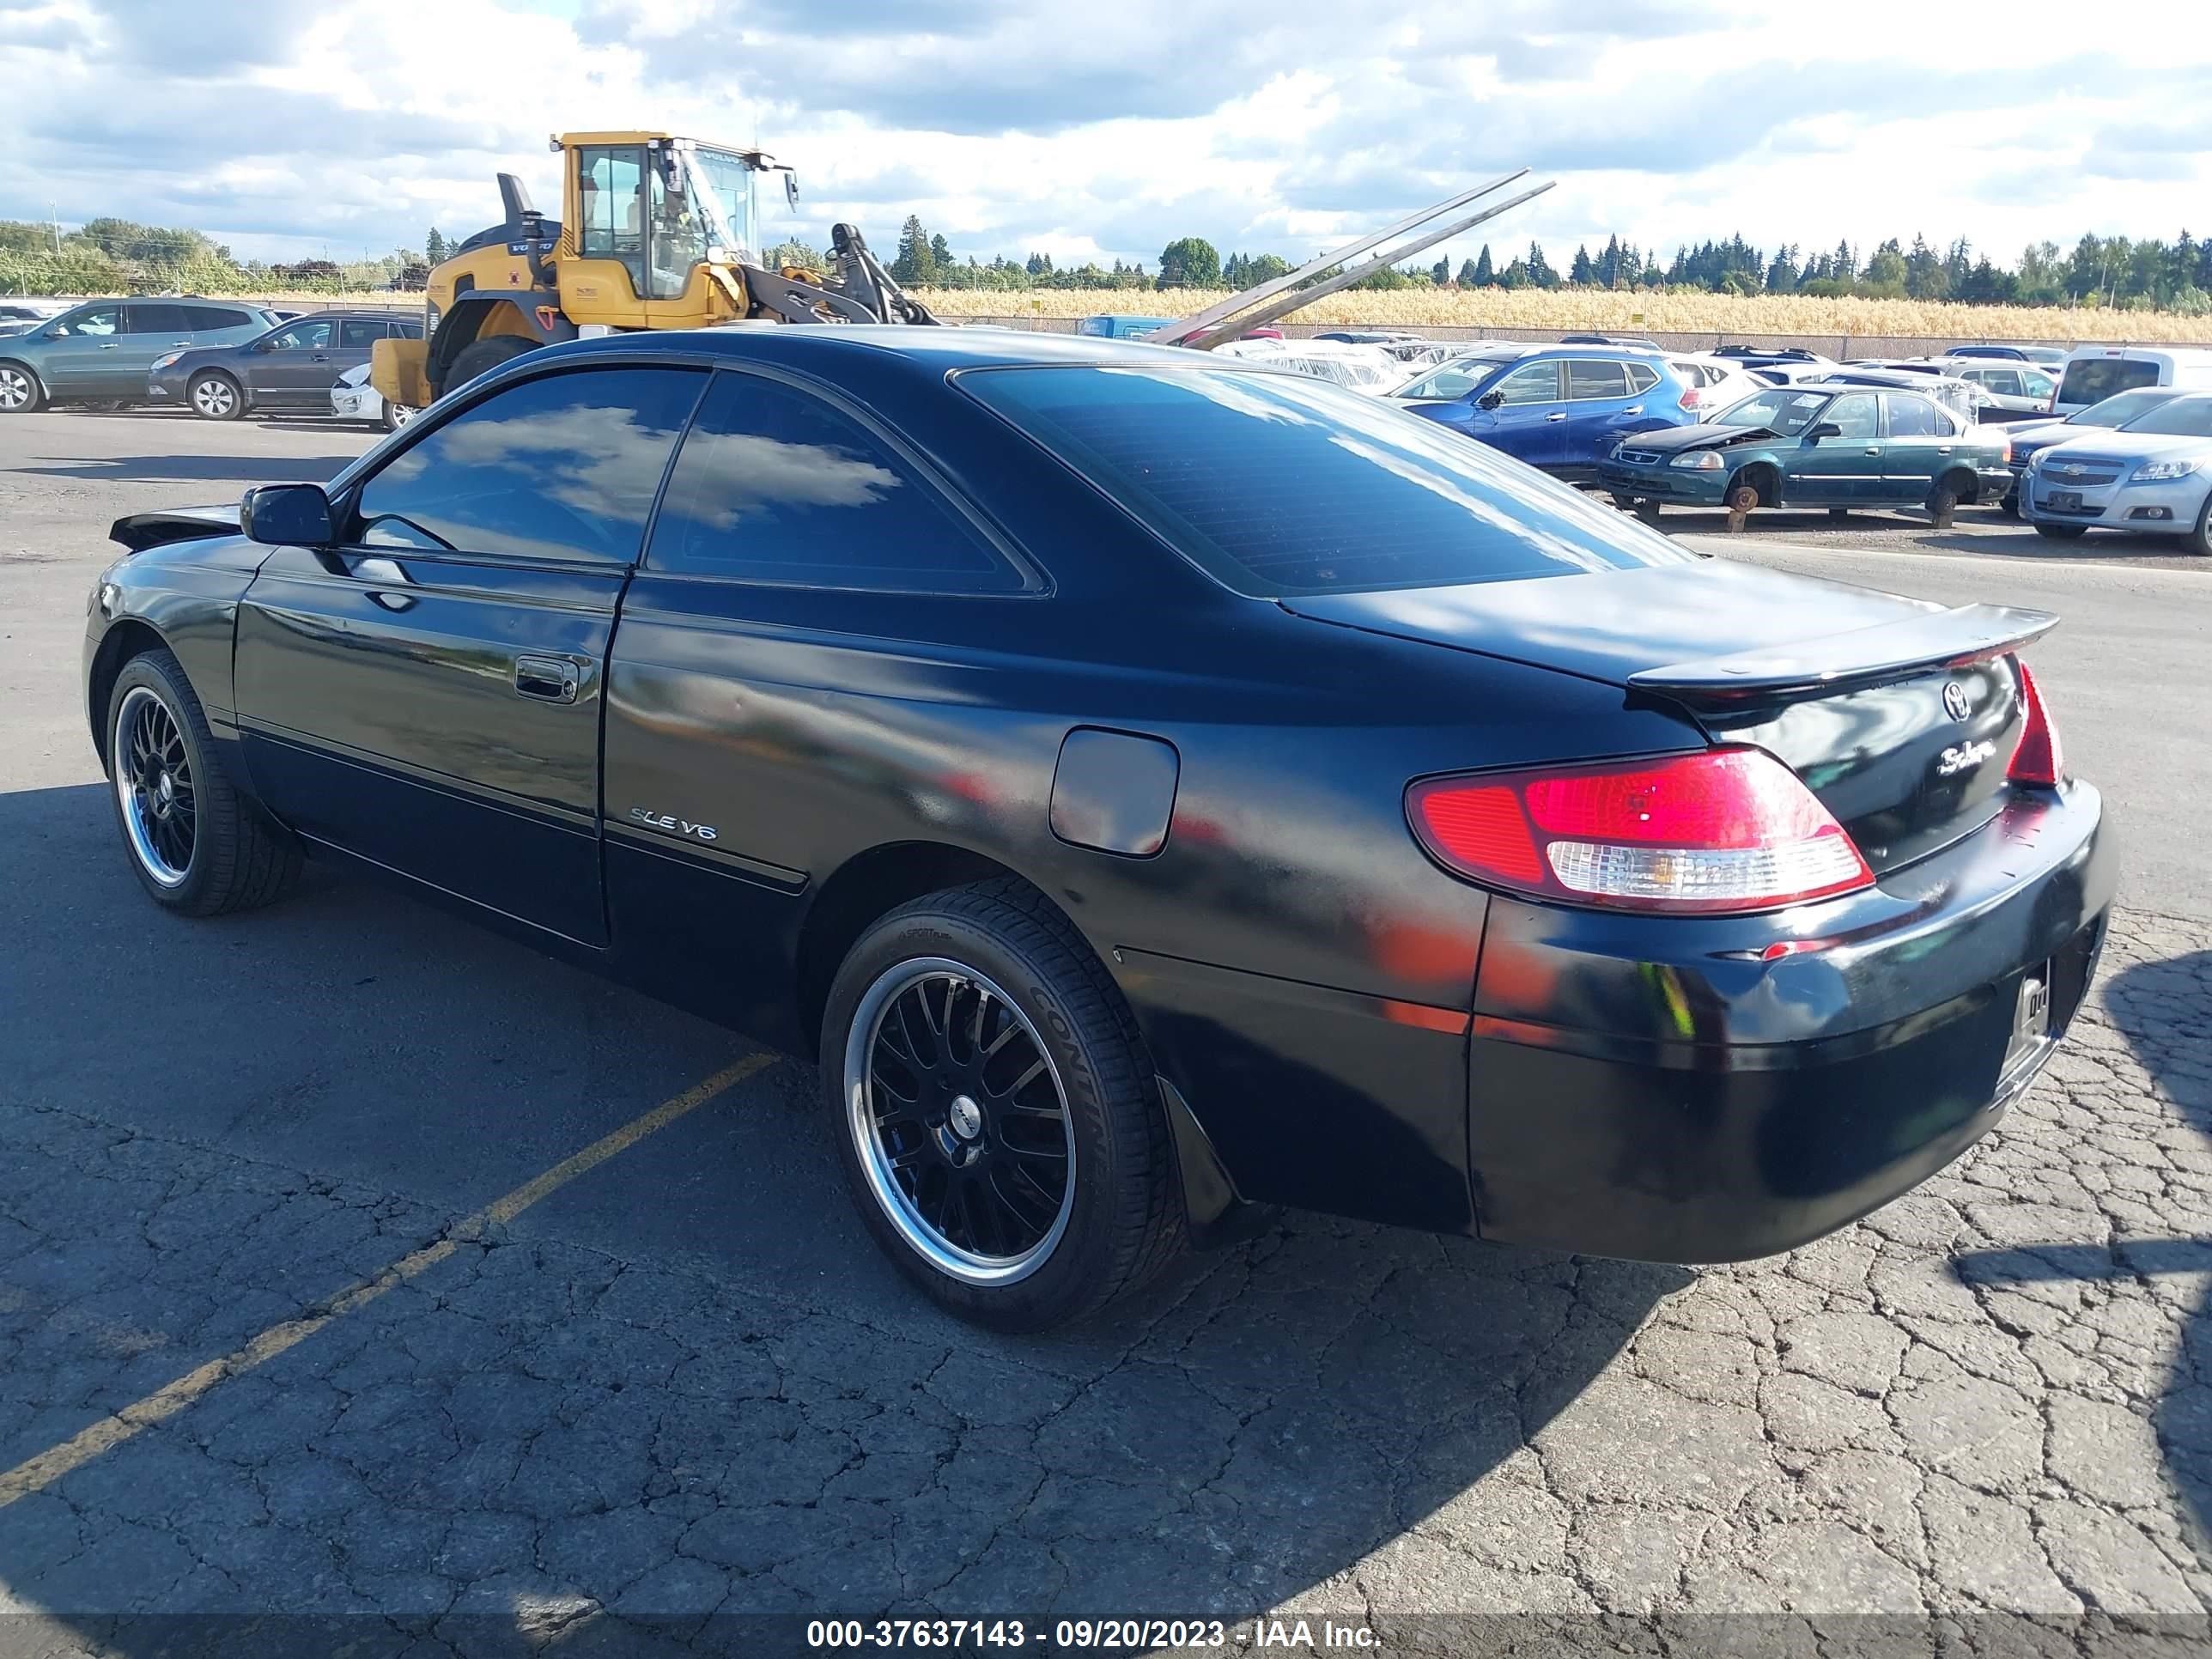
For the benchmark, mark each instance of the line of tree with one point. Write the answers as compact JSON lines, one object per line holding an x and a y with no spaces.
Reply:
{"x":111,"y":255}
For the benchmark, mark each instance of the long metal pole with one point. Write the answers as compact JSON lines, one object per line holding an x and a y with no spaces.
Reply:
{"x":1183,"y":327}
{"x":1206,"y":338}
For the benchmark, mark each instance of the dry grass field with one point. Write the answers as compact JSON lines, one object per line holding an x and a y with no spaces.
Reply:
{"x":1676,"y":313}
{"x":1758,"y":316}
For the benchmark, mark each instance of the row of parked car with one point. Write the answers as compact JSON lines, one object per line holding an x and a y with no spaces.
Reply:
{"x":1744,"y":428}
{"x":222,"y":359}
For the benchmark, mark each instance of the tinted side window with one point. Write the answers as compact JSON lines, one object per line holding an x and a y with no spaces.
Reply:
{"x":1912,"y":418}
{"x":2093,"y":380}
{"x":407,"y":331}
{"x":775,"y":485}
{"x":1587,"y":379}
{"x":170,"y":320}
{"x":564,"y":466}
{"x":356,"y":335}
{"x":205,"y":320}
{"x":1642,"y":377}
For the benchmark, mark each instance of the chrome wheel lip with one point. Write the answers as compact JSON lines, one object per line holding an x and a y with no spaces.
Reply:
{"x":14,"y":388}
{"x":954,"y":1260}
{"x":213,"y":396}
{"x":134,"y":796}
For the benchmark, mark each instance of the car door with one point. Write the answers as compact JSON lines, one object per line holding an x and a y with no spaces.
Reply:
{"x":1605,"y":398}
{"x":149,"y":328}
{"x":425,"y":694}
{"x":1525,"y":420}
{"x":350,"y":351}
{"x":291,"y":369}
{"x":75,"y":351}
{"x":1842,"y":469}
{"x":1918,"y":439}
{"x":765,"y":697}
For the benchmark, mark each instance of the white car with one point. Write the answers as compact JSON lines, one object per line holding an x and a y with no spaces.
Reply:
{"x":2154,"y":475}
{"x":2016,"y":388}
{"x":353,"y":398}
{"x":2093,"y":373}
{"x":1712,"y":383}
{"x":1369,"y":368}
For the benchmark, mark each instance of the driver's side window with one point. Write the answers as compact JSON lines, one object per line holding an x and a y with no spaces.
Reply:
{"x":1851,"y":415}
{"x":302,"y":336}
{"x":562,"y":467}
{"x":97,"y":323}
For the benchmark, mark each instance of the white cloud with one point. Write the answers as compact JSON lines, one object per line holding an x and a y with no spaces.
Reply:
{"x":1007,"y":127}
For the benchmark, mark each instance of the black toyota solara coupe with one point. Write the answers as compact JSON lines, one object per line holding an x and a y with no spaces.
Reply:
{"x":1155,"y":788}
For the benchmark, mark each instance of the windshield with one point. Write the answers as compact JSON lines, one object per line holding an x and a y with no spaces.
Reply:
{"x":2120,"y":410}
{"x":2178,"y":417}
{"x":1783,"y":410}
{"x":1276,"y":484}
{"x":723,"y":183}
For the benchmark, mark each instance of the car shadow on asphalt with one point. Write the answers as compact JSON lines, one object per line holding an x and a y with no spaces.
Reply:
{"x":2154,"y":1005}
{"x":187,"y":469}
{"x":1251,"y":1427}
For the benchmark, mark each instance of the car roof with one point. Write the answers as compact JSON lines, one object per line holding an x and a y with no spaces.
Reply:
{"x":2140,"y":354}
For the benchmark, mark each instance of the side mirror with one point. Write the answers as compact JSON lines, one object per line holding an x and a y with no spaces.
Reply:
{"x":1826,"y":429}
{"x":1490,"y":400}
{"x":286,"y":515}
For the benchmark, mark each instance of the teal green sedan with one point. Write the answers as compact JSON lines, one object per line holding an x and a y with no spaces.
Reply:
{"x":1811,"y":446}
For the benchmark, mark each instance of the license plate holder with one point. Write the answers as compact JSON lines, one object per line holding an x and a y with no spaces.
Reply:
{"x":2031,"y":1019}
{"x":2066,"y":500}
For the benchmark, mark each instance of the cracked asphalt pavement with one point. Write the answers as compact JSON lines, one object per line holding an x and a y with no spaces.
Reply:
{"x":683,"y":1388}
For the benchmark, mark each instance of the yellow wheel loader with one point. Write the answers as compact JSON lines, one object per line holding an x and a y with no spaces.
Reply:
{"x":655,"y":232}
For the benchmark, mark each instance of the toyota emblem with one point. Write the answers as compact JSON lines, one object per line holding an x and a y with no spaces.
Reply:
{"x":1954,"y":701}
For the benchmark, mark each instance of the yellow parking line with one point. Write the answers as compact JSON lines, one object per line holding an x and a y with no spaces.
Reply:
{"x":165,"y":1402}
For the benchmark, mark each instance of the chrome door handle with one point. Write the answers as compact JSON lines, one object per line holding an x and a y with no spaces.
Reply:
{"x":108,"y":346}
{"x":550,"y":679}
{"x":1560,"y":415}
{"x":1873,"y":449}
{"x":1943,"y":449}
{"x":1633,"y":408}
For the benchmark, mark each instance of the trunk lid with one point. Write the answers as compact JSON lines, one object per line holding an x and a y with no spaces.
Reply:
{"x":1849,"y":688}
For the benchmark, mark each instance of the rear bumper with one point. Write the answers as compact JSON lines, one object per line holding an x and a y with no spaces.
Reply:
{"x":1655,"y":1092}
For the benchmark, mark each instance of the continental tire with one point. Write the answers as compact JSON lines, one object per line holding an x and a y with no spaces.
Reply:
{"x":998,"y":1120}
{"x":196,"y":846}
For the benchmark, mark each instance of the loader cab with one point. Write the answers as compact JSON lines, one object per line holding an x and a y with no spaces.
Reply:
{"x":654,"y":216}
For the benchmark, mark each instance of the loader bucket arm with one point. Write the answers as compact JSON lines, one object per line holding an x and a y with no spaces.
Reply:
{"x":1265,"y":301}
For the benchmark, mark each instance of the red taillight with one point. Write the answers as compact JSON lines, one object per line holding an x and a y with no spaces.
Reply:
{"x":2036,"y":760}
{"x":1690,"y":398}
{"x":1728,"y":829}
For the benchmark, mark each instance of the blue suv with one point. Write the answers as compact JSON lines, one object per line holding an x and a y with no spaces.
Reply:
{"x":1558,"y":408}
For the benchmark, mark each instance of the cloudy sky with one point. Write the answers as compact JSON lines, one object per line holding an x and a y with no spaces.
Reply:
{"x":1093,"y":131}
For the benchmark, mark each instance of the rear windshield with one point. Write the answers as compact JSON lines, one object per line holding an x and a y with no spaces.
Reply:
{"x":2183,"y":417}
{"x":2093,"y":380}
{"x":1278,"y":485}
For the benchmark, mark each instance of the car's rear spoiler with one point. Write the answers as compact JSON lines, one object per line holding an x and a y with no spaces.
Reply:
{"x":140,"y":531}
{"x":1864,"y":656}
